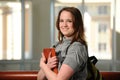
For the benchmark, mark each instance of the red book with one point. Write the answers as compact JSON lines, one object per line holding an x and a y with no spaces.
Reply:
{"x":46,"y":54}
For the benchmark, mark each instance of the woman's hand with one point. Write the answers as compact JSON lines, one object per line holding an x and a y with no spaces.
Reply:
{"x":42,"y":61}
{"x":52,"y":61}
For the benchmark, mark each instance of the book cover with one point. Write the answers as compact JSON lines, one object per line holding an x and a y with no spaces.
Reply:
{"x":46,"y":52}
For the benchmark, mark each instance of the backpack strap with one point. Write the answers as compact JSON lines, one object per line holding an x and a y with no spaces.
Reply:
{"x":62,"y":58}
{"x":93,"y":59}
{"x":67,"y":49}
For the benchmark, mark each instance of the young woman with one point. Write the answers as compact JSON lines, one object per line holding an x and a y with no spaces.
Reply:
{"x":71,"y":49}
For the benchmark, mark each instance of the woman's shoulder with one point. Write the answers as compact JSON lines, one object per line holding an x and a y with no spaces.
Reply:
{"x":77,"y":44}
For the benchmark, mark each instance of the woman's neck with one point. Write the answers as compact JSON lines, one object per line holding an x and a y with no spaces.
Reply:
{"x":70,"y":38}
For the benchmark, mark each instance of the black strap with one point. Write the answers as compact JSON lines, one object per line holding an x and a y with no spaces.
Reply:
{"x":62,"y":58}
{"x":93,"y":59}
{"x":67,"y":49}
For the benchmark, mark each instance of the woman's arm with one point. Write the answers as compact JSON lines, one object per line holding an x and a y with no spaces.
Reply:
{"x":64,"y":73}
{"x":52,"y":62}
{"x":41,"y":75}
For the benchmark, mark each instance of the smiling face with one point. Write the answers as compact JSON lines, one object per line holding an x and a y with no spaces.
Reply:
{"x":70,"y":25}
{"x":66,"y":24}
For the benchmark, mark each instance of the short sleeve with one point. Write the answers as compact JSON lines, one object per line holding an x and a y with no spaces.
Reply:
{"x":76,"y":56}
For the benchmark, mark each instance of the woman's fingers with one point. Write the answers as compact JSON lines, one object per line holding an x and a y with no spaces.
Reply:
{"x":43,"y":56}
{"x":53,"y":59}
{"x":42,"y":59}
{"x":52,"y":62}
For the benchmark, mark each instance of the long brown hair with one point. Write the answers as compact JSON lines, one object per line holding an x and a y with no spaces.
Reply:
{"x":79,"y":32}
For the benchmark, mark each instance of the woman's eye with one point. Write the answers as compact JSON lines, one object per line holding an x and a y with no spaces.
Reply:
{"x":69,"y":20}
{"x":61,"y":20}
{"x":66,"y":21}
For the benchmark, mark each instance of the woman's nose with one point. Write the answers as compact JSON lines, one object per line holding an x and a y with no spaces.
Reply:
{"x":64,"y":24}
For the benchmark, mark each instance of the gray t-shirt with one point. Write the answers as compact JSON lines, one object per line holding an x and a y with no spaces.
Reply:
{"x":75,"y":57}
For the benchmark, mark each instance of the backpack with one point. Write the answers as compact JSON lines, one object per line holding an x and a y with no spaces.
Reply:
{"x":93,"y":72}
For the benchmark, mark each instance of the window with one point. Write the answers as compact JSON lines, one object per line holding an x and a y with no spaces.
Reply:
{"x":102,"y":47}
{"x":102,"y":10}
{"x":12,"y":31}
{"x":102,"y":28}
